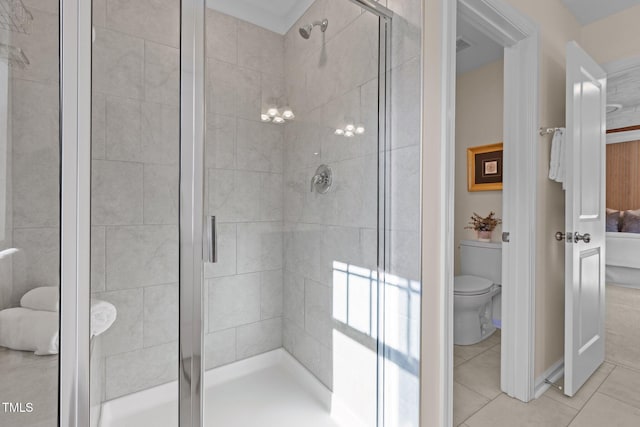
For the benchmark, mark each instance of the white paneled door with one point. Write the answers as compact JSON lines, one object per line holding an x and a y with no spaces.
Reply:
{"x":585,"y":218}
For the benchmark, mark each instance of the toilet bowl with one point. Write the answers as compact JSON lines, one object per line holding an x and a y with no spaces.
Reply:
{"x":475,"y":290}
{"x":473,"y":309}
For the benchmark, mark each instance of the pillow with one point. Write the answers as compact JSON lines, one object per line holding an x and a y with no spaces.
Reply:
{"x":614,"y":220}
{"x":631,"y":222}
{"x":46,"y":298}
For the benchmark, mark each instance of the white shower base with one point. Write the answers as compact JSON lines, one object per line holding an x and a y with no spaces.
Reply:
{"x":269,"y":390}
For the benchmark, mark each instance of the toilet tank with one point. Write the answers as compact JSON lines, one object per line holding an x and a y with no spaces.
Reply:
{"x":482,"y":259}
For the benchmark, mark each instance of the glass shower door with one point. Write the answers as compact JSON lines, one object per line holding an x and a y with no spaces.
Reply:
{"x":292,"y":173}
{"x":135,"y":210}
{"x":29,"y":213}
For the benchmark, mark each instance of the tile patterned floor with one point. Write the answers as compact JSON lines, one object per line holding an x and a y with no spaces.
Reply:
{"x":611,"y":397}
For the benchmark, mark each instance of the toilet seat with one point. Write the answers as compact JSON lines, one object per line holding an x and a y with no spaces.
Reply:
{"x":471,"y":285}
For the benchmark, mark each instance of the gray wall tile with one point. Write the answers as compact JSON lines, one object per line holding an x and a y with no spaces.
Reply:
{"x":317,"y":311}
{"x":271,"y":297}
{"x":126,"y":332}
{"x":222,"y":36}
{"x":220,"y":151}
{"x":160,"y":133}
{"x":38,"y":261}
{"x":120,"y":59}
{"x":259,"y":337}
{"x":141,"y":369}
{"x":98,"y":258}
{"x":234,"y":301}
{"x":220,"y":348}
{"x":160,"y":314}
{"x":155,"y":20}
{"x":161,"y":73}
{"x":123,"y":131}
{"x":260,"y":246}
{"x":116,"y":193}
{"x":161,"y":194}
{"x":141,"y":256}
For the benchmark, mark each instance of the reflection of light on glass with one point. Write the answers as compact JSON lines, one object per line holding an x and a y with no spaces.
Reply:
{"x":288,"y":114}
{"x":339,"y":132}
{"x":272,"y":111}
{"x":8,"y":252}
{"x":265,"y":117}
{"x":278,"y":120}
{"x":355,"y":303}
{"x":355,"y":311}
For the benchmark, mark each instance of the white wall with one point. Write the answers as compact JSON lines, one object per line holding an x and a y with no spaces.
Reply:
{"x":479,"y":118}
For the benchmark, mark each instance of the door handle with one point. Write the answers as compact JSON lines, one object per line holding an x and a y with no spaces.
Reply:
{"x":560,"y":236}
{"x":584,"y":237}
{"x":212,"y":240}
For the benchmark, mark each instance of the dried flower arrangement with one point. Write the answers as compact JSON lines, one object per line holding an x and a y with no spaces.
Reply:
{"x":487,"y":223}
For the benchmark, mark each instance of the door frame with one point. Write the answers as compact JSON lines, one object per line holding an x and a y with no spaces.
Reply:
{"x":520,"y":36}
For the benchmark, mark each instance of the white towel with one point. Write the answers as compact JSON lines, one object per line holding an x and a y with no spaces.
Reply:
{"x":46,"y":298}
{"x":557,"y":165}
{"x":103,"y":314}
{"x":29,"y":330}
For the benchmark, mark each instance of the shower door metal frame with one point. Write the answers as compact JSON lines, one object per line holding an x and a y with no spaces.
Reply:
{"x":192,"y":134}
{"x":385,"y":17}
{"x":75,"y":211}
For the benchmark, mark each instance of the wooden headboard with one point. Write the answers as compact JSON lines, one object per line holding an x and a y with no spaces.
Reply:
{"x":623,"y":175}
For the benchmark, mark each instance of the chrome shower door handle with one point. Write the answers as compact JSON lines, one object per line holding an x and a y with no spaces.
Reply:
{"x":212,"y":240}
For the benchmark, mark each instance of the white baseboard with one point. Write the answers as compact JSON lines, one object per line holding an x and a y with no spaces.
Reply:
{"x":553,"y":374}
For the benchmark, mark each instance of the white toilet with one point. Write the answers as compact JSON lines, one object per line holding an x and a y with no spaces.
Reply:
{"x":475,"y":291}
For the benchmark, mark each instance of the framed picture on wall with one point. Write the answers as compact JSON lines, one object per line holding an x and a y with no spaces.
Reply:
{"x":484,"y":167}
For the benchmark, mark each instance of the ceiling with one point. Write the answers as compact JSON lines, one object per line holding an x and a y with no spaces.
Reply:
{"x":274,"y":15}
{"x":624,"y":89}
{"x":587,"y":11}
{"x":483,"y":50}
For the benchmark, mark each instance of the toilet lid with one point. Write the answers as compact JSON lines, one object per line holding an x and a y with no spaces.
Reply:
{"x":471,"y":285}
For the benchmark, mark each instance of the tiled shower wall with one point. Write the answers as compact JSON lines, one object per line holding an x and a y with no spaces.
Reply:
{"x":134,"y":212}
{"x":33,"y":157}
{"x":331,"y":80}
{"x":244,"y":164}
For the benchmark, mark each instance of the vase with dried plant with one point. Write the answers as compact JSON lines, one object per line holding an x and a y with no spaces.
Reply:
{"x":484,"y":226}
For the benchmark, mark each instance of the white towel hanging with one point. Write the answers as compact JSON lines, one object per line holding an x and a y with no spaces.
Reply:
{"x":557,"y":165}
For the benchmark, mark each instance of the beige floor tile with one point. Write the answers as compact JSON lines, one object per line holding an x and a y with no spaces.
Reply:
{"x":481,"y":374}
{"x":587,"y":390}
{"x":603,"y":410}
{"x":467,"y":352}
{"x":466,"y":402}
{"x":623,"y":384}
{"x":457,"y":360}
{"x":508,"y":412}
{"x":623,"y":334}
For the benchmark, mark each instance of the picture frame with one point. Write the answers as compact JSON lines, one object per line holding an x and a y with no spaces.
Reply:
{"x":485,"y":167}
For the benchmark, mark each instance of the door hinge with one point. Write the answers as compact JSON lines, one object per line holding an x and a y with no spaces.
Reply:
{"x":505,"y":236}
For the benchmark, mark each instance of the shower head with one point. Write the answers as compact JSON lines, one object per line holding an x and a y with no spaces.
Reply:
{"x":305,"y":30}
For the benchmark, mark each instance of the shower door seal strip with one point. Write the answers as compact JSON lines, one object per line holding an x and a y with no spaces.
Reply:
{"x":384,"y":185}
{"x":75,"y":211}
{"x":192,"y":113}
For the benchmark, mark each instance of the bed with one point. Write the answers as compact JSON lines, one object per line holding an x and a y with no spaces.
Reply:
{"x":623,"y":247}
{"x":623,"y":259}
